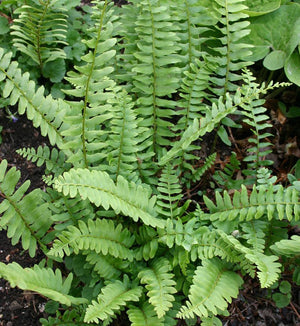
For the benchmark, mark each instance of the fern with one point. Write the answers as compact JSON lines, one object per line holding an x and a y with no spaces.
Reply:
{"x":143,"y":316}
{"x":160,"y":285}
{"x":39,"y":29}
{"x":287,"y":247}
{"x":99,"y":188}
{"x":25,"y":217}
{"x":100,"y":236}
{"x":41,"y":280}
{"x":266,"y":201}
{"x":112,"y":297}
{"x":206,"y":297}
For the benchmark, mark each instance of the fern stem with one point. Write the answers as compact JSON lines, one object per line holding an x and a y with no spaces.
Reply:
{"x":83,"y":127}
{"x":228,"y":50}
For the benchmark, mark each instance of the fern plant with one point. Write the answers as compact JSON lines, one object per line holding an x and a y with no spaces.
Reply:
{"x":124,"y":154}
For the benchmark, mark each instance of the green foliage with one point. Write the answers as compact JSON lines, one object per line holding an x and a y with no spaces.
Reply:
{"x":120,"y":215}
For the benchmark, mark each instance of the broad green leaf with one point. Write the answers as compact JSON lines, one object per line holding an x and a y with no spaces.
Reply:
{"x":4,"y":28}
{"x":292,"y":68}
{"x":55,"y":70}
{"x":261,"y":7}
{"x":271,"y":32}
{"x":275,"y":60}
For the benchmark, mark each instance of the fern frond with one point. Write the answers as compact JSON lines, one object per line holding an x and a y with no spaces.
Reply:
{"x":232,"y":52}
{"x":38,"y":31}
{"x":156,"y":77}
{"x":255,"y":233}
{"x":111,"y":299}
{"x":280,"y":204}
{"x":144,"y":316}
{"x":25,"y":217}
{"x":45,"y":112}
{"x":130,"y":199}
{"x":170,"y":193}
{"x":54,"y":159}
{"x":213,"y":288}
{"x":101,"y":236}
{"x":160,"y":286}
{"x":41,"y":280}
{"x":146,"y":238}
{"x":92,"y":87}
{"x":287,"y":247}
{"x":106,"y":266}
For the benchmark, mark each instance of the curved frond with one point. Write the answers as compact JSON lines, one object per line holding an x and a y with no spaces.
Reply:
{"x":101,"y":236}
{"x":130,"y":199}
{"x":160,"y":286}
{"x":112,"y":297}
{"x":213,"y":287}
{"x":25,"y":217}
{"x":42,"y":280}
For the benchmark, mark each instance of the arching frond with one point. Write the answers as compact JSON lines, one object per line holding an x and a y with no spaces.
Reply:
{"x":112,"y":297}
{"x":101,"y":236}
{"x":287,"y":248}
{"x":42,"y":280}
{"x":130,"y":199}
{"x":144,"y":316}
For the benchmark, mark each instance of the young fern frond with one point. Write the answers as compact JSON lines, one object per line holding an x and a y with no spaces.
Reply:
{"x":255,"y":233}
{"x":25,"y":217}
{"x":101,"y":236}
{"x":279,"y":204}
{"x":130,"y":199}
{"x":41,"y":280}
{"x":39,"y":30}
{"x":170,"y":193}
{"x":111,"y":299}
{"x":160,"y":285}
{"x":52,"y":158}
{"x":213,"y":288}
{"x":45,"y":112}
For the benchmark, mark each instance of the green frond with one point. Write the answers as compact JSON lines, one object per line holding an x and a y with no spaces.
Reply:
{"x":144,"y":316}
{"x":231,"y":52}
{"x":41,"y":280}
{"x":92,"y":88}
{"x":160,"y":285}
{"x":287,"y":248}
{"x":170,"y":193}
{"x":146,"y":238}
{"x":156,"y":77}
{"x":254,"y":232}
{"x":111,"y":299}
{"x":39,"y":30}
{"x":130,"y":199}
{"x":123,"y":138}
{"x":106,"y":266}
{"x":213,"y":288}
{"x":68,"y":211}
{"x":269,"y":268}
{"x":45,"y":112}
{"x":100,"y":236}
{"x":267,"y":201}
{"x":52,"y":158}
{"x":26,"y":217}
